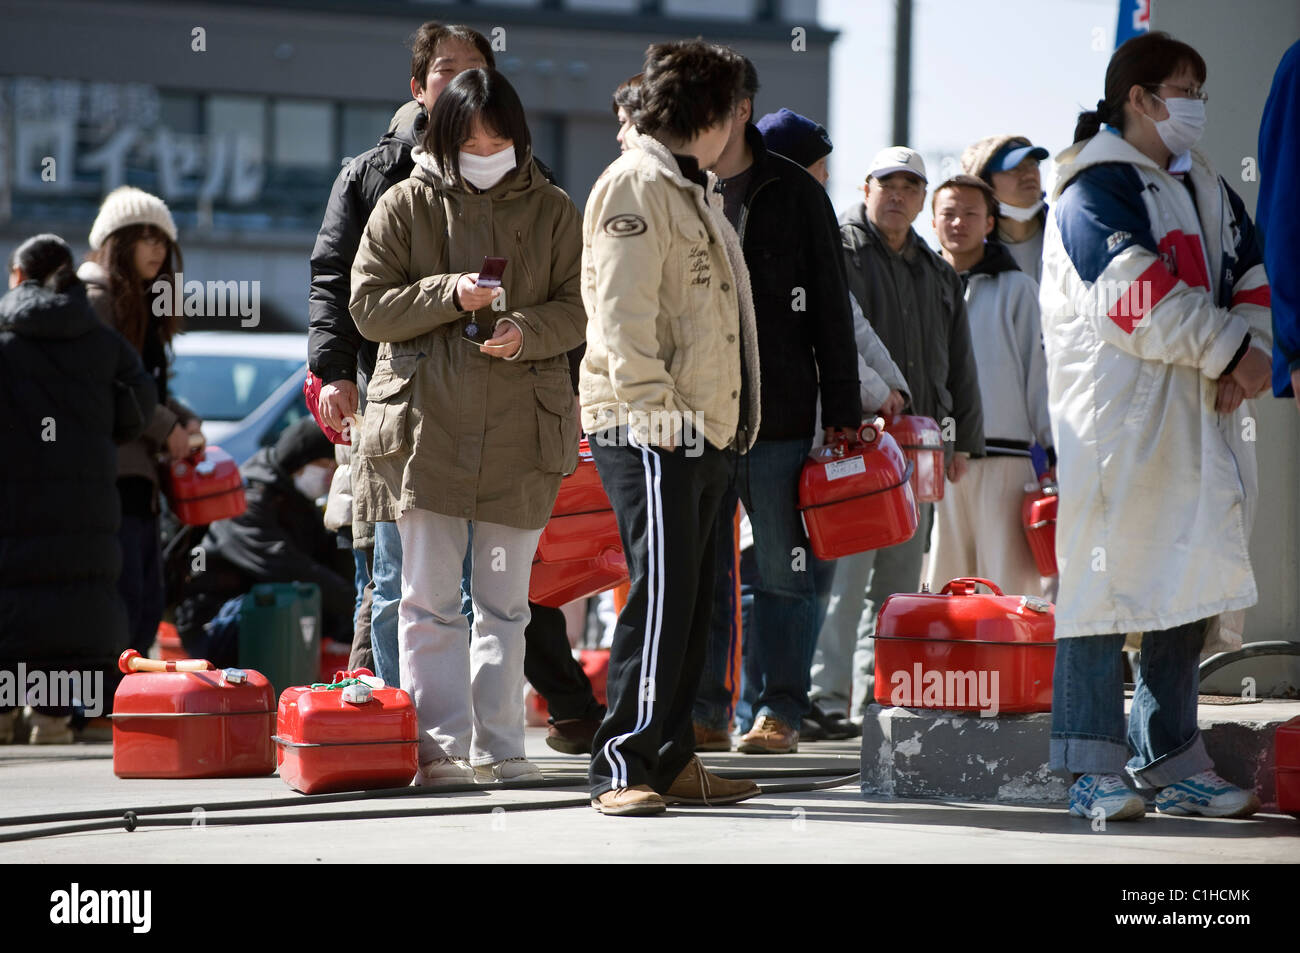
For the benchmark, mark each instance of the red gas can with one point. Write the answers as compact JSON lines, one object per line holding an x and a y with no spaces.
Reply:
{"x":206,"y":488}
{"x":966,"y":652}
{"x":922,"y":443}
{"x":193,"y":724}
{"x":1287,"y":766}
{"x":855,"y":496}
{"x":580,"y":552}
{"x":352,"y":735}
{"x":1038,"y":515}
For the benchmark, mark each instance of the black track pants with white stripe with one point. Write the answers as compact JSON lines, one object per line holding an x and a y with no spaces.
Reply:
{"x":666,"y":505}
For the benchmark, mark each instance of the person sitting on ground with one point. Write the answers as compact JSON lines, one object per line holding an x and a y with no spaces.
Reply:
{"x":281,"y":537}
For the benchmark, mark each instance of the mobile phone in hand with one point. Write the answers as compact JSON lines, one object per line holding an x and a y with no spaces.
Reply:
{"x":493,"y":270}
{"x":479,"y":331}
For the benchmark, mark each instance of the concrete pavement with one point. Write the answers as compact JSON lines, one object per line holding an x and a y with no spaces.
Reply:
{"x":833,"y":826}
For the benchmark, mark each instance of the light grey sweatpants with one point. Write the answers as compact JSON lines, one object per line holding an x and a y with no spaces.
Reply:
{"x":468,"y":691}
{"x":846,"y":652}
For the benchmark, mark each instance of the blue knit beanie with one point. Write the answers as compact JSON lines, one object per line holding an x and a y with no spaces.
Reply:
{"x":795,"y":136}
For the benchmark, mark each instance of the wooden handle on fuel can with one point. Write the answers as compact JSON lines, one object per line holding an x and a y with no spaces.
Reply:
{"x":132,"y":661}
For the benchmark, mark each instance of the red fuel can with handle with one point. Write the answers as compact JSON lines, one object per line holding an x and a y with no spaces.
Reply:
{"x":205,"y":488}
{"x":354,"y":734}
{"x":856,"y":495}
{"x":185,"y":719}
{"x":922,"y":443}
{"x":1287,"y":766}
{"x":580,"y":552}
{"x":962,"y":650}
{"x":1038,"y":515}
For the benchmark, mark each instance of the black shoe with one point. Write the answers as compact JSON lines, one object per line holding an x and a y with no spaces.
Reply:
{"x":834,"y":726}
{"x":810,"y":730}
{"x":572,"y":736}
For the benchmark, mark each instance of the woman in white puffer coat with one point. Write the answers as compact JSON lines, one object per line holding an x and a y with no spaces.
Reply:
{"x":1156,"y":326}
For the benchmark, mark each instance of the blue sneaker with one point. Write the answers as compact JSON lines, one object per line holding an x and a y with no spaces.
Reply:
{"x":1107,"y":792}
{"x":1206,"y":794}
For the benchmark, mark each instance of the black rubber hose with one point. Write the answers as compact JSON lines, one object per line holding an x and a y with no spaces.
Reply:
{"x":376,"y":794}
{"x":1253,"y":650}
{"x":131,"y":820}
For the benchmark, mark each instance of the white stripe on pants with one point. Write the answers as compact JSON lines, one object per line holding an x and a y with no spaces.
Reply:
{"x":977,"y":528}
{"x":468,"y":693}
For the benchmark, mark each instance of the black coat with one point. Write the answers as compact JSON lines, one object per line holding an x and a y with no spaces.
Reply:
{"x":70,"y":389}
{"x":792,"y":242}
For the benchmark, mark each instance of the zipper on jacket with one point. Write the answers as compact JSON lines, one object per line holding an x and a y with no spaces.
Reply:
{"x":523,"y":262}
{"x":744,"y":211}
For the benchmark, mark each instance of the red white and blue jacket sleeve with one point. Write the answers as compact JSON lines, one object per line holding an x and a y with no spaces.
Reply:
{"x":1146,"y":296}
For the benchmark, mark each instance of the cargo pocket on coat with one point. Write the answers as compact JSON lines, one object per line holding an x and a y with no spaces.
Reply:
{"x":388,"y":402}
{"x":557,"y":430}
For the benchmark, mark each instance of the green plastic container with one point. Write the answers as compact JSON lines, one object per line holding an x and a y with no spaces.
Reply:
{"x":279,"y":633}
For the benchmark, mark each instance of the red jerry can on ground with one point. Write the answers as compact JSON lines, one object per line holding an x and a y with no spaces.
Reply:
{"x":1038,"y":516}
{"x":1287,"y":766}
{"x":205,"y":488}
{"x":922,"y":443}
{"x":188,"y":720}
{"x":964,"y":651}
{"x":580,"y":552}
{"x":855,"y":495}
{"x":354,"y":734}
{"x":595,"y":663}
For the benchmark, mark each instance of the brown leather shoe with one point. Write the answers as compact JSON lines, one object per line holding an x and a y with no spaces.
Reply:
{"x":573,"y":735}
{"x":695,"y":785}
{"x":709,"y":739}
{"x":770,"y":736}
{"x":639,"y":801}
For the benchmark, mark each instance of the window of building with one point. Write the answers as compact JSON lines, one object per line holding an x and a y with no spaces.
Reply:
{"x":363,"y":125}
{"x":303,"y":133}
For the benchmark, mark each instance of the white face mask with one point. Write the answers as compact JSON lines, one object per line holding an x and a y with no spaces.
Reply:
{"x":1016,"y":214}
{"x":1185,"y":125}
{"x":314,"y":481}
{"x":483,"y":172}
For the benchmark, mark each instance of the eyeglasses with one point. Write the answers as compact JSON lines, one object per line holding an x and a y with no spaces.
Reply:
{"x":1191,"y":92}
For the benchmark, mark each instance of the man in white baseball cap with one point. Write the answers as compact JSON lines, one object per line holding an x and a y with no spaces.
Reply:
{"x":914,"y":302}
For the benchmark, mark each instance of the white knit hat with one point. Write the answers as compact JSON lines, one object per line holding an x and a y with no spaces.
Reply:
{"x":128,"y":205}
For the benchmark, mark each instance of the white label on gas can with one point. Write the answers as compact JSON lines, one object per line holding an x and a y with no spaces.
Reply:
{"x":843,"y":468}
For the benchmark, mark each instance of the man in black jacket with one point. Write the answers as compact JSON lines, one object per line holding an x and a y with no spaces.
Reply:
{"x":806,"y":347}
{"x":343,"y":360}
{"x":913,"y":299}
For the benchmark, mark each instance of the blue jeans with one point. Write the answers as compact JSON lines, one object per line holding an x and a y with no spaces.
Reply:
{"x":362,"y":577}
{"x":1163,"y":743}
{"x":823,"y":576}
{"x":384,"y":601}
{"x":783,"y":631}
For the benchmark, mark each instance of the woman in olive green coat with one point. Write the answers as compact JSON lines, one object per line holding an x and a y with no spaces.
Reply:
{"x":458,"y":433}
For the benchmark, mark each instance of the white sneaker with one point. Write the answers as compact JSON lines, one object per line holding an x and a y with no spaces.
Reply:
{"x":1206,"y":794}
{"x":511,"y":769}
{"x":444,"y":771}
{"x":1106,"y":795}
